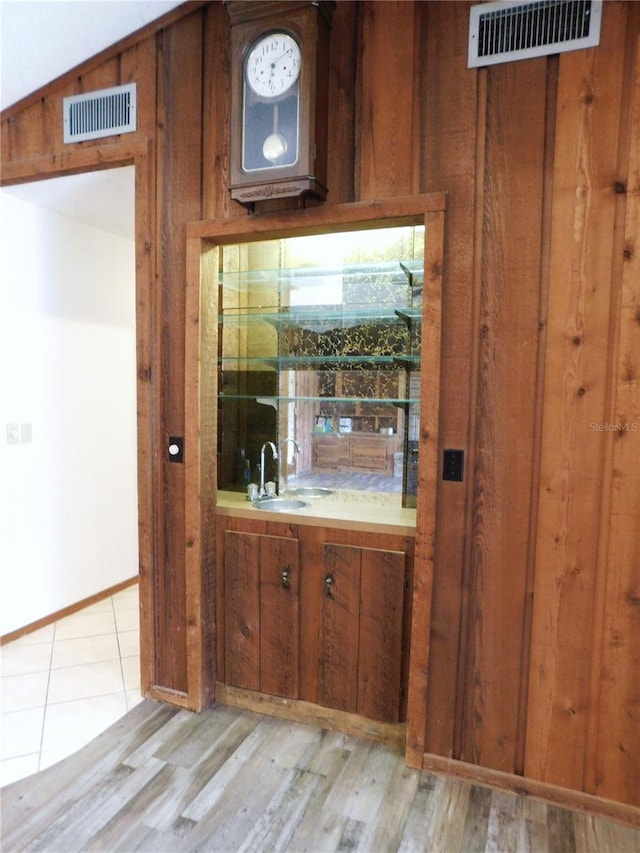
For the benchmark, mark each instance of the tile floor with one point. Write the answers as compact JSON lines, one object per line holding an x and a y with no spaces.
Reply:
{"x":64,"y":684}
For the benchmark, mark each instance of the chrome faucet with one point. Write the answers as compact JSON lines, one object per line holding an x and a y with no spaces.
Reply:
{"x":263,"y":492}
{"x":282,"y":468}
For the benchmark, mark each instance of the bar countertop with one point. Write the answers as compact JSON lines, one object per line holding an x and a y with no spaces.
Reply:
{"x":345,"y":509}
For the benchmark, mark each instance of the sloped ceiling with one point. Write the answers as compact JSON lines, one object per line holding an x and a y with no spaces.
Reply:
{"x":39,"y":41}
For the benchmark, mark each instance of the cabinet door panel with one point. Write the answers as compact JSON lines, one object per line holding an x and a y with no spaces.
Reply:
{"x":381,"y":607}
{"x":369,"y":453}
{"x":279,"y":624}
{"x":242,"y":609}
{"x":330,"y":451}
{"x":338,"y":687}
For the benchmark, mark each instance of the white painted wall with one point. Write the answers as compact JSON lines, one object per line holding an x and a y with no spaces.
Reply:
{"x":68,"y":499}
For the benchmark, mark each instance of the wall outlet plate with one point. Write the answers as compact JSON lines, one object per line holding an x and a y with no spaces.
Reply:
{"x":453,"y":465}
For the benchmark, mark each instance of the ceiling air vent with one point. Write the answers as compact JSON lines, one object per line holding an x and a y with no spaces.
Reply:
{"x":101,"y":113}
{"x":504,"y":31}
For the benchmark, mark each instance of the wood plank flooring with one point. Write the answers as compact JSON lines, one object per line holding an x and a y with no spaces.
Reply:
{"x":163,"y":779}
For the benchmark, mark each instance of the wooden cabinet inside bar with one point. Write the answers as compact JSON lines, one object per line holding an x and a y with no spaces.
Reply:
{"x":314,"y":614}
{"x":358,"y":452}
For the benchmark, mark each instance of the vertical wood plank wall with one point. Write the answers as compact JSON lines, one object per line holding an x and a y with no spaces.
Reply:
{"x":505,"y":417}
{"x":578,"y":358}
{"x":179,"y":141}
{"x":535,"y":620}
{"x":614,"y":748}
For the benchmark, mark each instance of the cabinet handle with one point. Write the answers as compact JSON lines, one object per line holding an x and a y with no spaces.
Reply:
{"x":286,"y":578}
{"x":329,"y":583}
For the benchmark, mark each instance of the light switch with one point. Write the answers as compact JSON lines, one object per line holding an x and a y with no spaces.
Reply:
{"x":26,"y":433}
{"x":13,"y":434}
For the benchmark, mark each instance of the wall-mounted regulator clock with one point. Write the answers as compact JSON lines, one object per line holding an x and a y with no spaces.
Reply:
{"x":279,"y":98}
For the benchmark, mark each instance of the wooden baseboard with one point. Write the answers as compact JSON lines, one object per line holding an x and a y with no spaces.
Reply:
{"x":313,"y":715}
{"x":170,"y":697}
{"x":66,"y":611}
{"x":565,"y":797}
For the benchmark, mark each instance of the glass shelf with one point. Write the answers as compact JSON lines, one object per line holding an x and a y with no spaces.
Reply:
{"x":318,"y":362}
{"x":409,"y":362}
{"x":319,"y":319}
{"x":369,"y":401}
{"x":399,"y":272}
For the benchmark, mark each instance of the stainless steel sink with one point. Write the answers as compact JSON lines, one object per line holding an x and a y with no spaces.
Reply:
{"x":311,"y":492}
{"x":279,"y":504}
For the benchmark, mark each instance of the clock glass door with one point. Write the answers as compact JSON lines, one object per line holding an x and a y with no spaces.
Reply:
{"x":271,"y":104}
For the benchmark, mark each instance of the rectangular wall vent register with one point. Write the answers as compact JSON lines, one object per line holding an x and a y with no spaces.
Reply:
{"x":521,"y":29}
{"x":104,"y":112}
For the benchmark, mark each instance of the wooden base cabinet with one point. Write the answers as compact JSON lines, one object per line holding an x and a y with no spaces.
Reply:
{"x":301,"y":617}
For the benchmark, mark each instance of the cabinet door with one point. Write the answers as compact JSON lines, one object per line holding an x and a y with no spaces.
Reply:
{"x":330,"y":451}
{"x":338,"y":676}
{"x":369,"y":453}
{"x":261,"y":612}
{"x":242,"y":609}
{"x":279,"y":621}
{"x":382,"y":590}
{"x":361,"y":626}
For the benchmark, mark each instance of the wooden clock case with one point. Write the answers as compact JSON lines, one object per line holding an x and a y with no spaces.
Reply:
{"x":309,"y":23}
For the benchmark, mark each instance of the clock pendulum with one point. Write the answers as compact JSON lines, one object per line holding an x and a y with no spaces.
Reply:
{"x":275,"y":145}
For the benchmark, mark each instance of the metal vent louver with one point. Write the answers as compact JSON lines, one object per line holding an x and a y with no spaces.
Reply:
{"x":100,"y":113}
{"x":504,"y":31}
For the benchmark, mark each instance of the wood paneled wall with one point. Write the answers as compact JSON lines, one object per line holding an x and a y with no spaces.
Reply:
{"x":535,"y":623}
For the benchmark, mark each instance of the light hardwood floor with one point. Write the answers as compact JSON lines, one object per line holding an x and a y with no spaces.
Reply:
{"x":163,"y":779}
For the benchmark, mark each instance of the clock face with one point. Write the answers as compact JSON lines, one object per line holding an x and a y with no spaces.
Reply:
{"x":273,"y":65}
